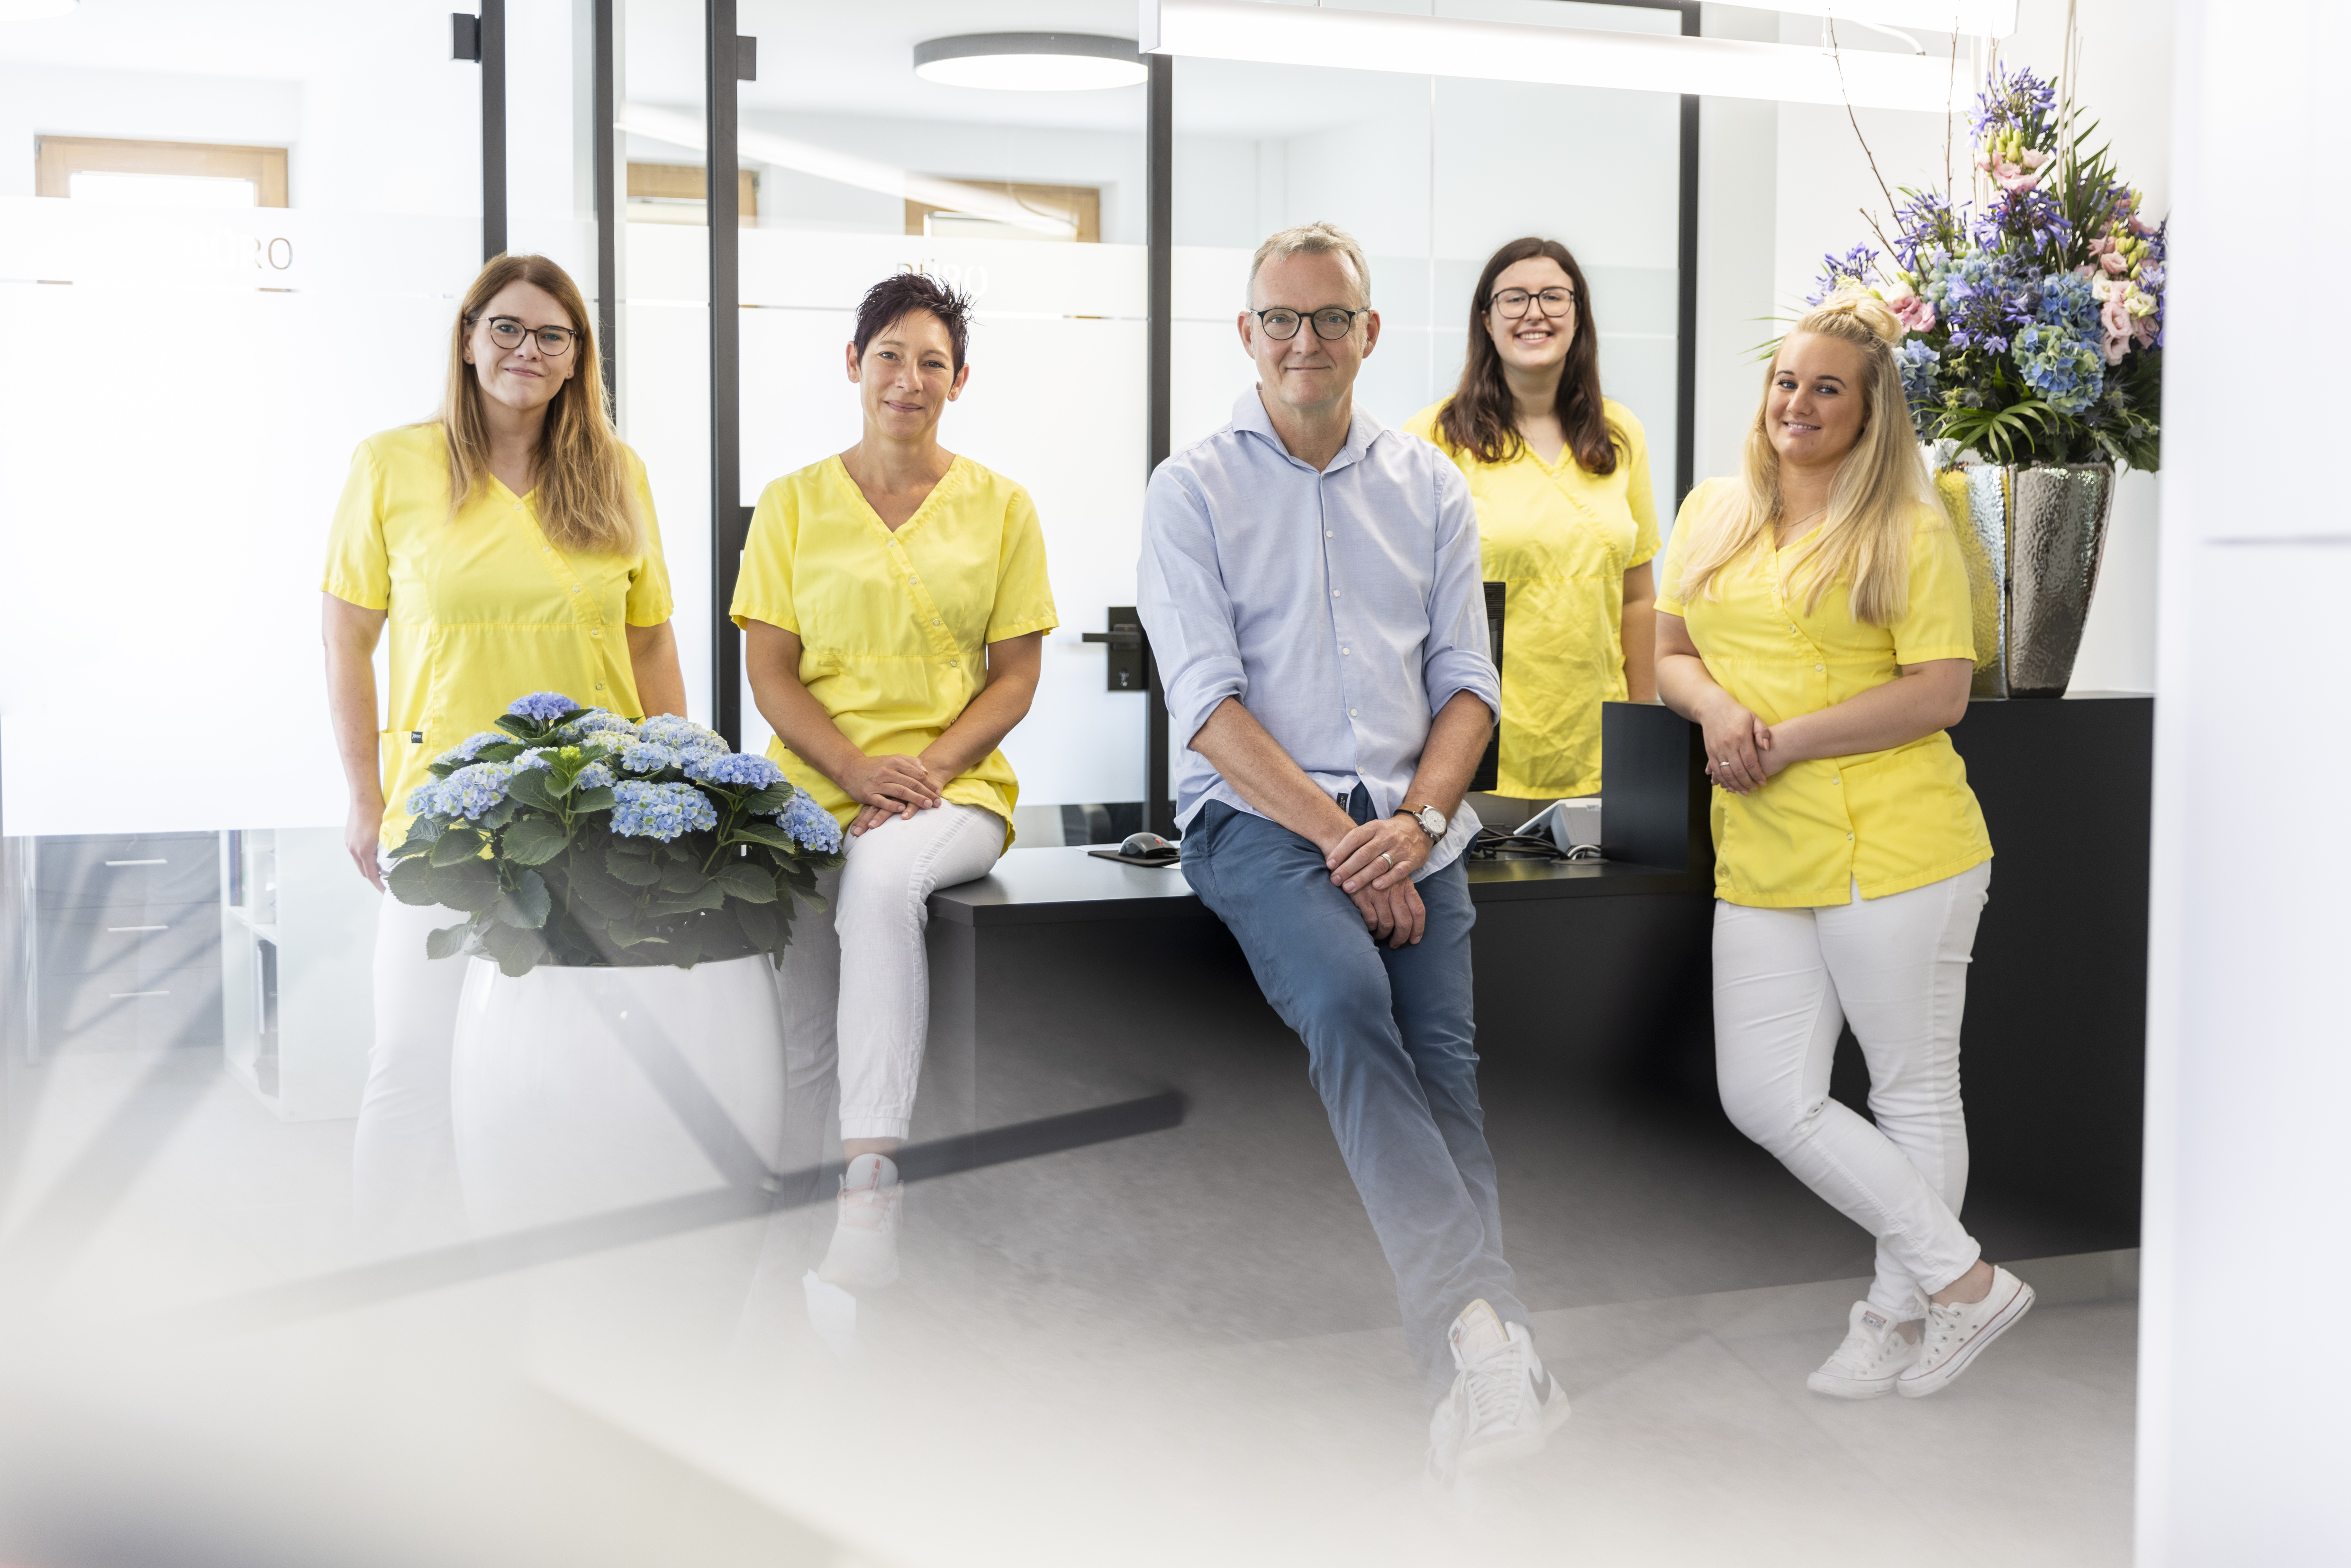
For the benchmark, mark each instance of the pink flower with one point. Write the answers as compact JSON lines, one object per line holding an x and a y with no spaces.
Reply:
{"x":2103,"y":246}
{"x":2088,"y":269}
{"x":2116,"y":317}
{"x":2034,"y":158}
{"x":1915,"y":311}
{"x":2015,"y":182}
{"x":2115,"y":262}
{"x":2118,"y":345}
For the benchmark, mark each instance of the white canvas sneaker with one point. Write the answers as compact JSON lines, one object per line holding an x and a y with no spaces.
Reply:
{"x":865,"y":1251}
{"x":1957,"y":1332}
{"x":1872,"y":1357}
{"x":1503,"y":1406}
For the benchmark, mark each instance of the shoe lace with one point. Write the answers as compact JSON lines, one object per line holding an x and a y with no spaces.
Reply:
{"x":1491,"y":1388}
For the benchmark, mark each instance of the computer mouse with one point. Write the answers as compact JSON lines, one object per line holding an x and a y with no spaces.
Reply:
{"x":1143,"y":845}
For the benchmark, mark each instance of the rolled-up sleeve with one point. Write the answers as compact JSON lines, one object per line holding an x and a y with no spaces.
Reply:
{"x":1185,"y":610}
{"x":1457,"y":659}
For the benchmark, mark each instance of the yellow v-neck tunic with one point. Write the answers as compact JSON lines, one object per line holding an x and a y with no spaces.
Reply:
{"x":1563,"y":539}
{"x":894,"y":626}
{"x":1888,"y":820}
{"x":481,"y":608}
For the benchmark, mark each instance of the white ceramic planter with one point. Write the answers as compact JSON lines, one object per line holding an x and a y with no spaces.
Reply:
{"x":578,"y":1091}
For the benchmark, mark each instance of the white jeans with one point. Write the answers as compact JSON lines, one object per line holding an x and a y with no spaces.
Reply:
{"x":403,"y":1160}
{"x":856,"y":986}
{"x":1785,"y":983}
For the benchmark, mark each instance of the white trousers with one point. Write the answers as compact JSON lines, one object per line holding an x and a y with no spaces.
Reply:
{"x":1785,"y":983}
{"x":855,"y":984}
{"x":403,"y":1159}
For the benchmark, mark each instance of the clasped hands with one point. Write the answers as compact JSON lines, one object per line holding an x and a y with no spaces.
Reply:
{"x":1740,"y":748}
{"x":887,"y":787}
{"x":1372,"y":863}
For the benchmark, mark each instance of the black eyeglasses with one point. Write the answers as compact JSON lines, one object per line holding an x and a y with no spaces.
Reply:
{"x":1331,"y":322}
{"x":553,"y":341}
{"x":1512,"y":302}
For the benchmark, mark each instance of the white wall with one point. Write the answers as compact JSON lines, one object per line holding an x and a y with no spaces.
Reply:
{"x":2248,"y":1052}
{"x":1780,"y":187}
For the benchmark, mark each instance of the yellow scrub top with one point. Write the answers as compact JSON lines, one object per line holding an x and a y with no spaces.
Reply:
{"x":1888,"y":820}
{"x":482,"y":609}
{"x":894,"y":627}
{"x":1564,"y":540}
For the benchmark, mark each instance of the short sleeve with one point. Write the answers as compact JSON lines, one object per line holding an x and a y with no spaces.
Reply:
{"x":1024,"y":592}
{"x":1640,"y":494}
{"x":358,"y":567}
{"x":1669,"y":598}
{"x":763,"y":591}
{"x":1940,"y":623}
{"x":649,"y":599}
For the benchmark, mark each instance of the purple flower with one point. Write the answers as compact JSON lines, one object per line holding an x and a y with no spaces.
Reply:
{"x":542,"y":707}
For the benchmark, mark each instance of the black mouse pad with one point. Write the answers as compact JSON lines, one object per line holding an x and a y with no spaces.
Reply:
{"x":1162,"y":858}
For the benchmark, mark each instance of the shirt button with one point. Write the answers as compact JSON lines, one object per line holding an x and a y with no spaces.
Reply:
{"x":1848,"y":838}
{"x":575,"y":588}
{"x":1334,"y":593}
{"x":599,"y":632}
{"x":1329,"y":535}
{"x":599,"y":685}
{"x":1351,"y":713}
{"x":1819,"y":666}
{"x":1346,"y":650}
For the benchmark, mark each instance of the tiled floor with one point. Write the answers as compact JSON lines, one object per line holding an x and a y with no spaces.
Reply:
{"x":1172,"y":1350}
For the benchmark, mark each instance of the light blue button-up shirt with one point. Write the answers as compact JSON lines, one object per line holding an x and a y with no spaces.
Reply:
{"x":1343,"y":608}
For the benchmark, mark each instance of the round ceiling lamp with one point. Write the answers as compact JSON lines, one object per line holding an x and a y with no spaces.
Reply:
{"x":33,"y":10}
{"x":1031,"y":62}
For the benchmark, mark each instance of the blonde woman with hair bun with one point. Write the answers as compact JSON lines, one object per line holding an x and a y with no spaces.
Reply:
{"x":1813,"y":618}
{"x":510,"y":547}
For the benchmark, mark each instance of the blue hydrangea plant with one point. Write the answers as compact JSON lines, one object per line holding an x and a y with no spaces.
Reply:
{"x":580,"y":838}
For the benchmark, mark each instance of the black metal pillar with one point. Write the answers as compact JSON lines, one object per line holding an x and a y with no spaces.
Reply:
{"x":1159,"y":139}
{"x":729,"y":519}
{"x":494,"y":128}
{"x":1686,"y":326}
{"x":607,"y":174}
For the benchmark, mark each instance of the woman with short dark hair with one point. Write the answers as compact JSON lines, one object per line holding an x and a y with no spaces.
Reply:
{"x":895,"y":603}
{"x":1566,"y":517}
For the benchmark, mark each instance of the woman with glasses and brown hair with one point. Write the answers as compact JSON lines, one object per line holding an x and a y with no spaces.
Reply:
{"x":1559,"y":476}
{"x":510,"y":545}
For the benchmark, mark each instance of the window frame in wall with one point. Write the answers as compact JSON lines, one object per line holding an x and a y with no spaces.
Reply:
{"x":1081,"y":205}
{"x":57,"y":158}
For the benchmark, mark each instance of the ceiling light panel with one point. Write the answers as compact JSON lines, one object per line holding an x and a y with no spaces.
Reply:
{"x":1031,"y":62}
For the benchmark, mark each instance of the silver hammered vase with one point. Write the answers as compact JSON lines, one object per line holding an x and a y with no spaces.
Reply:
{"x":2034,"y":539}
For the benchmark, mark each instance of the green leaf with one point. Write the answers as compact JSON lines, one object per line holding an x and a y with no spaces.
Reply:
{"x":497,"y":816}
{"x":533,"y":787}
{"x":773,"y":799}
{"x":761,"y":833}
{"x":517,"y":951}
{"x":410,"y":882}
{"x":682,"y":876}
{"x":583,"y":800}
{"x":747,"y":881}
{"x":527,"y":730}
{"x":535,"y":841}
{"x":685,"y":947}
{"x":527,"y":903}
{"x":632,"y":936}
{"x":706,"y":896}
{"x":458,"y":845}
{"x":633,"y":869}
{"x":448,"y":942}
{"x":471,"y":886}
{"x":606,"y":898}
{"x":759,"y":924}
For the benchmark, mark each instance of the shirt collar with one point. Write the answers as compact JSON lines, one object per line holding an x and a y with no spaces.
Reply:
{"x":1363,"y":429}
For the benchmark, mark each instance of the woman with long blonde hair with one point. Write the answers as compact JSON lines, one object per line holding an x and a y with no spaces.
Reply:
{"x":1813,"y":618}
{"x":510,"y":545}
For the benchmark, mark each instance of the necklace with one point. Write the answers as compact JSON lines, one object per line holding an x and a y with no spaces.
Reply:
{"x":1807,"y":517}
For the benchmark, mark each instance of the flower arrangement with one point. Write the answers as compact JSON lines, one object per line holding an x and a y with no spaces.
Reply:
{"x":2035,"y":317}
{"x":576,"y":837}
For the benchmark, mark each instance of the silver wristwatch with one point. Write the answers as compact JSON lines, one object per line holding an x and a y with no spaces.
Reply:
{"x":1432,"y":821}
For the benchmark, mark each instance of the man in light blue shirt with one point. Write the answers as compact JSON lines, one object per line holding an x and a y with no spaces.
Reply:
{"x":1310,"y":584}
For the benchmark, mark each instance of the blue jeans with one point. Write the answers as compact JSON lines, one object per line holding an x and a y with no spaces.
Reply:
{"x":1391,"y":1047}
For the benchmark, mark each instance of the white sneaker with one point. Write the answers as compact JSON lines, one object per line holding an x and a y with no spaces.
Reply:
{"x":1957,"y":1332}
{"x":864,"y":1251}
{"x":1865,"y":1365}
{"x":1503,"y":1406}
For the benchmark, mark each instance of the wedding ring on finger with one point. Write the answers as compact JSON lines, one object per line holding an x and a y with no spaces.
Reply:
{"x":1389,"y":858}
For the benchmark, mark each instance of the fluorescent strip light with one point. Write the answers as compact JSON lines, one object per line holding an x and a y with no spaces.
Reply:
{"x":1562,"y":57}
{"x":846,"y":168}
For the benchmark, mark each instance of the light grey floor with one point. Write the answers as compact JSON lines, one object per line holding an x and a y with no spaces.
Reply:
{"x":1174,"y":1349}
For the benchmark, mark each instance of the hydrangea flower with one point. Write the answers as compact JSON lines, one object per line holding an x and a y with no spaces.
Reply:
{"x":645,"y":757}
{"x":597,"y":723}
{"x":1918,"y":363}
{"x":681,"y":734}
{"x":741,"y":768}
{"x":542,"y":707}
{"x":471,"y":747}
{"x":2066,"y":371}
{"x":662,"y":811}
{"x":534,"y":757}
{"x":467,"y":793}
{"x":811,"y":824}
{"x":595,"y":776}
